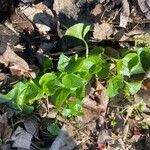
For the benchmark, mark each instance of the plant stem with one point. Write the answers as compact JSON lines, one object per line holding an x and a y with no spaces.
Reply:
{"x":87,"y":48}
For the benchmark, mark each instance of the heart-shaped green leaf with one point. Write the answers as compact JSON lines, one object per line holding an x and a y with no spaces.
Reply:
{"x":72,"y":81}
{"x":134,"y":87}
{"x":114,"y":85}
{"x":50,"y":83}
{"x":60,"y":97}
{"x":63,"y":62}
{"x":78,"y":31}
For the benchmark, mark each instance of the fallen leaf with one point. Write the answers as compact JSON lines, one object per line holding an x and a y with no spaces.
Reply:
{"x":41,"y":6}
{"x":5,"y":130}
{"x":16,"y":64}
{"x":43,"y":20}
{"x":5,"y":146}
{"x":102,"y":31}
{"x":95,"y":103}
{"x":91,"y":110}
{"x":143,"y":96}
{"x":104,"y":137}
{"x":21,"y":139}
{"x":124,"y":15}
{"x":97,"y":10}
{"x":32,"y":126}
{"x":145,"y":7}
{"x":52,"y":114}
{"x":63,"y":140}
{"x":20,"y":22}
{"x":3,"y":77}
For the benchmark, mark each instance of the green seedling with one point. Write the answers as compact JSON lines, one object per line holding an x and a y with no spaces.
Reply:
{"x":79,"y":31}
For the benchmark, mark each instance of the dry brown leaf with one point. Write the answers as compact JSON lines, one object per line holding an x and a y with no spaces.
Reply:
{"x":20,"y":22}
{"x":16,"y":64}
{"x":95,"y":104}
{"x":41,"y":6}
{"x":97,"y":10}
{"x":102,"y":31}
{"x":3,"y":76}
{"x":104,"y":136}
{"x":64,"y":141}
{"x":91,"y":110}
{"x":144,"y":94}
{"x":145,"y":7}
{"x":43,"y":20}
{"x":124,"y":16}
{"x":21,"y":139}
{"x":32,"y":126}
{"x":5,"y":130}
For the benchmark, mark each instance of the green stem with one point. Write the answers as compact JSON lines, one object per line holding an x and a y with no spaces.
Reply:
{"x":87,"y":48}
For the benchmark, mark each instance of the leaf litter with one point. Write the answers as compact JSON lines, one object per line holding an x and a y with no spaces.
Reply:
{"x":105,"y":124}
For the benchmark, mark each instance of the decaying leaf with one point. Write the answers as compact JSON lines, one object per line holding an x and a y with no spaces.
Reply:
{"x":31,"y":126}
{"x":91,"y":110}
{"x":16,"y":64}
{"x":95,"y":104}
{"x":5,"y":130}
{"x":21,"y":139}
{"x":3,"y":76}
{"x":63,"y":141}
{"x":42,"y":19}
{"x":144,"y":93}
{"x":104,"y":137}
{"x":102,"y":31}
{"x":97,"y":10}
{"x":20,"y":22}
{"x":124,"y":16}
{"x":145,"y":7}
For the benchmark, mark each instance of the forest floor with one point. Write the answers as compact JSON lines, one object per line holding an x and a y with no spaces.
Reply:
{"x":113,"y":114}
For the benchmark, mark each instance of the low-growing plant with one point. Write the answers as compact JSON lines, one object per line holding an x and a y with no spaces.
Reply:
{"x":67,"y":85}
{"x":79,"y":31}
{"x":131,"y":65}
{"x":69,"y":81}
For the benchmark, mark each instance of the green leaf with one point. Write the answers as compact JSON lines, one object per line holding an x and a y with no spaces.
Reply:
{"x":76,"y":110}
{"x":23,"y":95}
{"x":17,"y":94}
{"x":78,"y":31}
{"x":144,"y":54}
{"x":103,"y":73}
{"x":135,"y":66}
{"x":91,"y":65}
{"x":47,"y":64}
{"x":66,"y":112}
{"x":60,"y":97}
{"x":72,"y":81}
{"x":4,"y":98}
{"x":122,"y":65}
{"x":33,"y":92}
{"x":63,"y":62}
{"x":114,"y":85}
{"x":74,"y":65}
{"x":73,"y":109}
{"x":86,"y":76}
{"x":134,"y":87}
{"x":130,"y":65}
{"x":80,"y":92}
{"x":53,"y":129}
{"x":97,"y":50}
{"x":50,"y":83}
